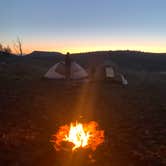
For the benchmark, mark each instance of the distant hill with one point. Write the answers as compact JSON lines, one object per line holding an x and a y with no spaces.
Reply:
{"x":44,"y":53}
{"x":128,"y":60}
{"x":34,"y":65}
{"x":31,"y":66}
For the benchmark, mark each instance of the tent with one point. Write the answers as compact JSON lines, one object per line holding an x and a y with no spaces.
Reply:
{"x":108,"y":71}
{"x":112,"y":71}
{"x":58,"y":71}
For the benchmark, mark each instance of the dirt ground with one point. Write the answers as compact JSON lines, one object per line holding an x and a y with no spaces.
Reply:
{"x":133,"y":118}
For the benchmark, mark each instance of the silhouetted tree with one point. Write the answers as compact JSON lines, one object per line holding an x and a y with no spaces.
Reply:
{"x":1,"y":47}
{"x":18,"y":47}
{"x":7,"y":49}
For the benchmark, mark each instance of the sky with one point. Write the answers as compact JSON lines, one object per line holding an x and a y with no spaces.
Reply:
{"x":84,"y":25}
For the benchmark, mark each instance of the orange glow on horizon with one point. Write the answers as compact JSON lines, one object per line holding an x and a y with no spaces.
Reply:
{"x":90,"y":46}
{"x":91,"y":49}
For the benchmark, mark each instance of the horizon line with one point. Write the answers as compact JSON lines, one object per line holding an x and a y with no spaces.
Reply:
{"x":92,"y":51}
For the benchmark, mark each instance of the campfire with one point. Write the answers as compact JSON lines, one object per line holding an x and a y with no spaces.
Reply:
{"x":78,"y":135}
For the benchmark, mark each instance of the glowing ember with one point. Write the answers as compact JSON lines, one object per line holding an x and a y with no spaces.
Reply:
{"x":79,"y":135}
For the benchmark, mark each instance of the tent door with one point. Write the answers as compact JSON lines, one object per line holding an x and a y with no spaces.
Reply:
{"x":109,"y":72}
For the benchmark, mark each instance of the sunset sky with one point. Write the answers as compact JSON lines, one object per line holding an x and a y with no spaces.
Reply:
{"x":84,"y":25}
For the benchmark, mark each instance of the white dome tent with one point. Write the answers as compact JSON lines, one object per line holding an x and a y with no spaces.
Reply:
{"x":58,"y":71}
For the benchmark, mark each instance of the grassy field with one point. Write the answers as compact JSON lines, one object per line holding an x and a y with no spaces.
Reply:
{"x":32,"y":109}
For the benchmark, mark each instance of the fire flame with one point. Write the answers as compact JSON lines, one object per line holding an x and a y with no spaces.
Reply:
{"x":79,"y":136}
